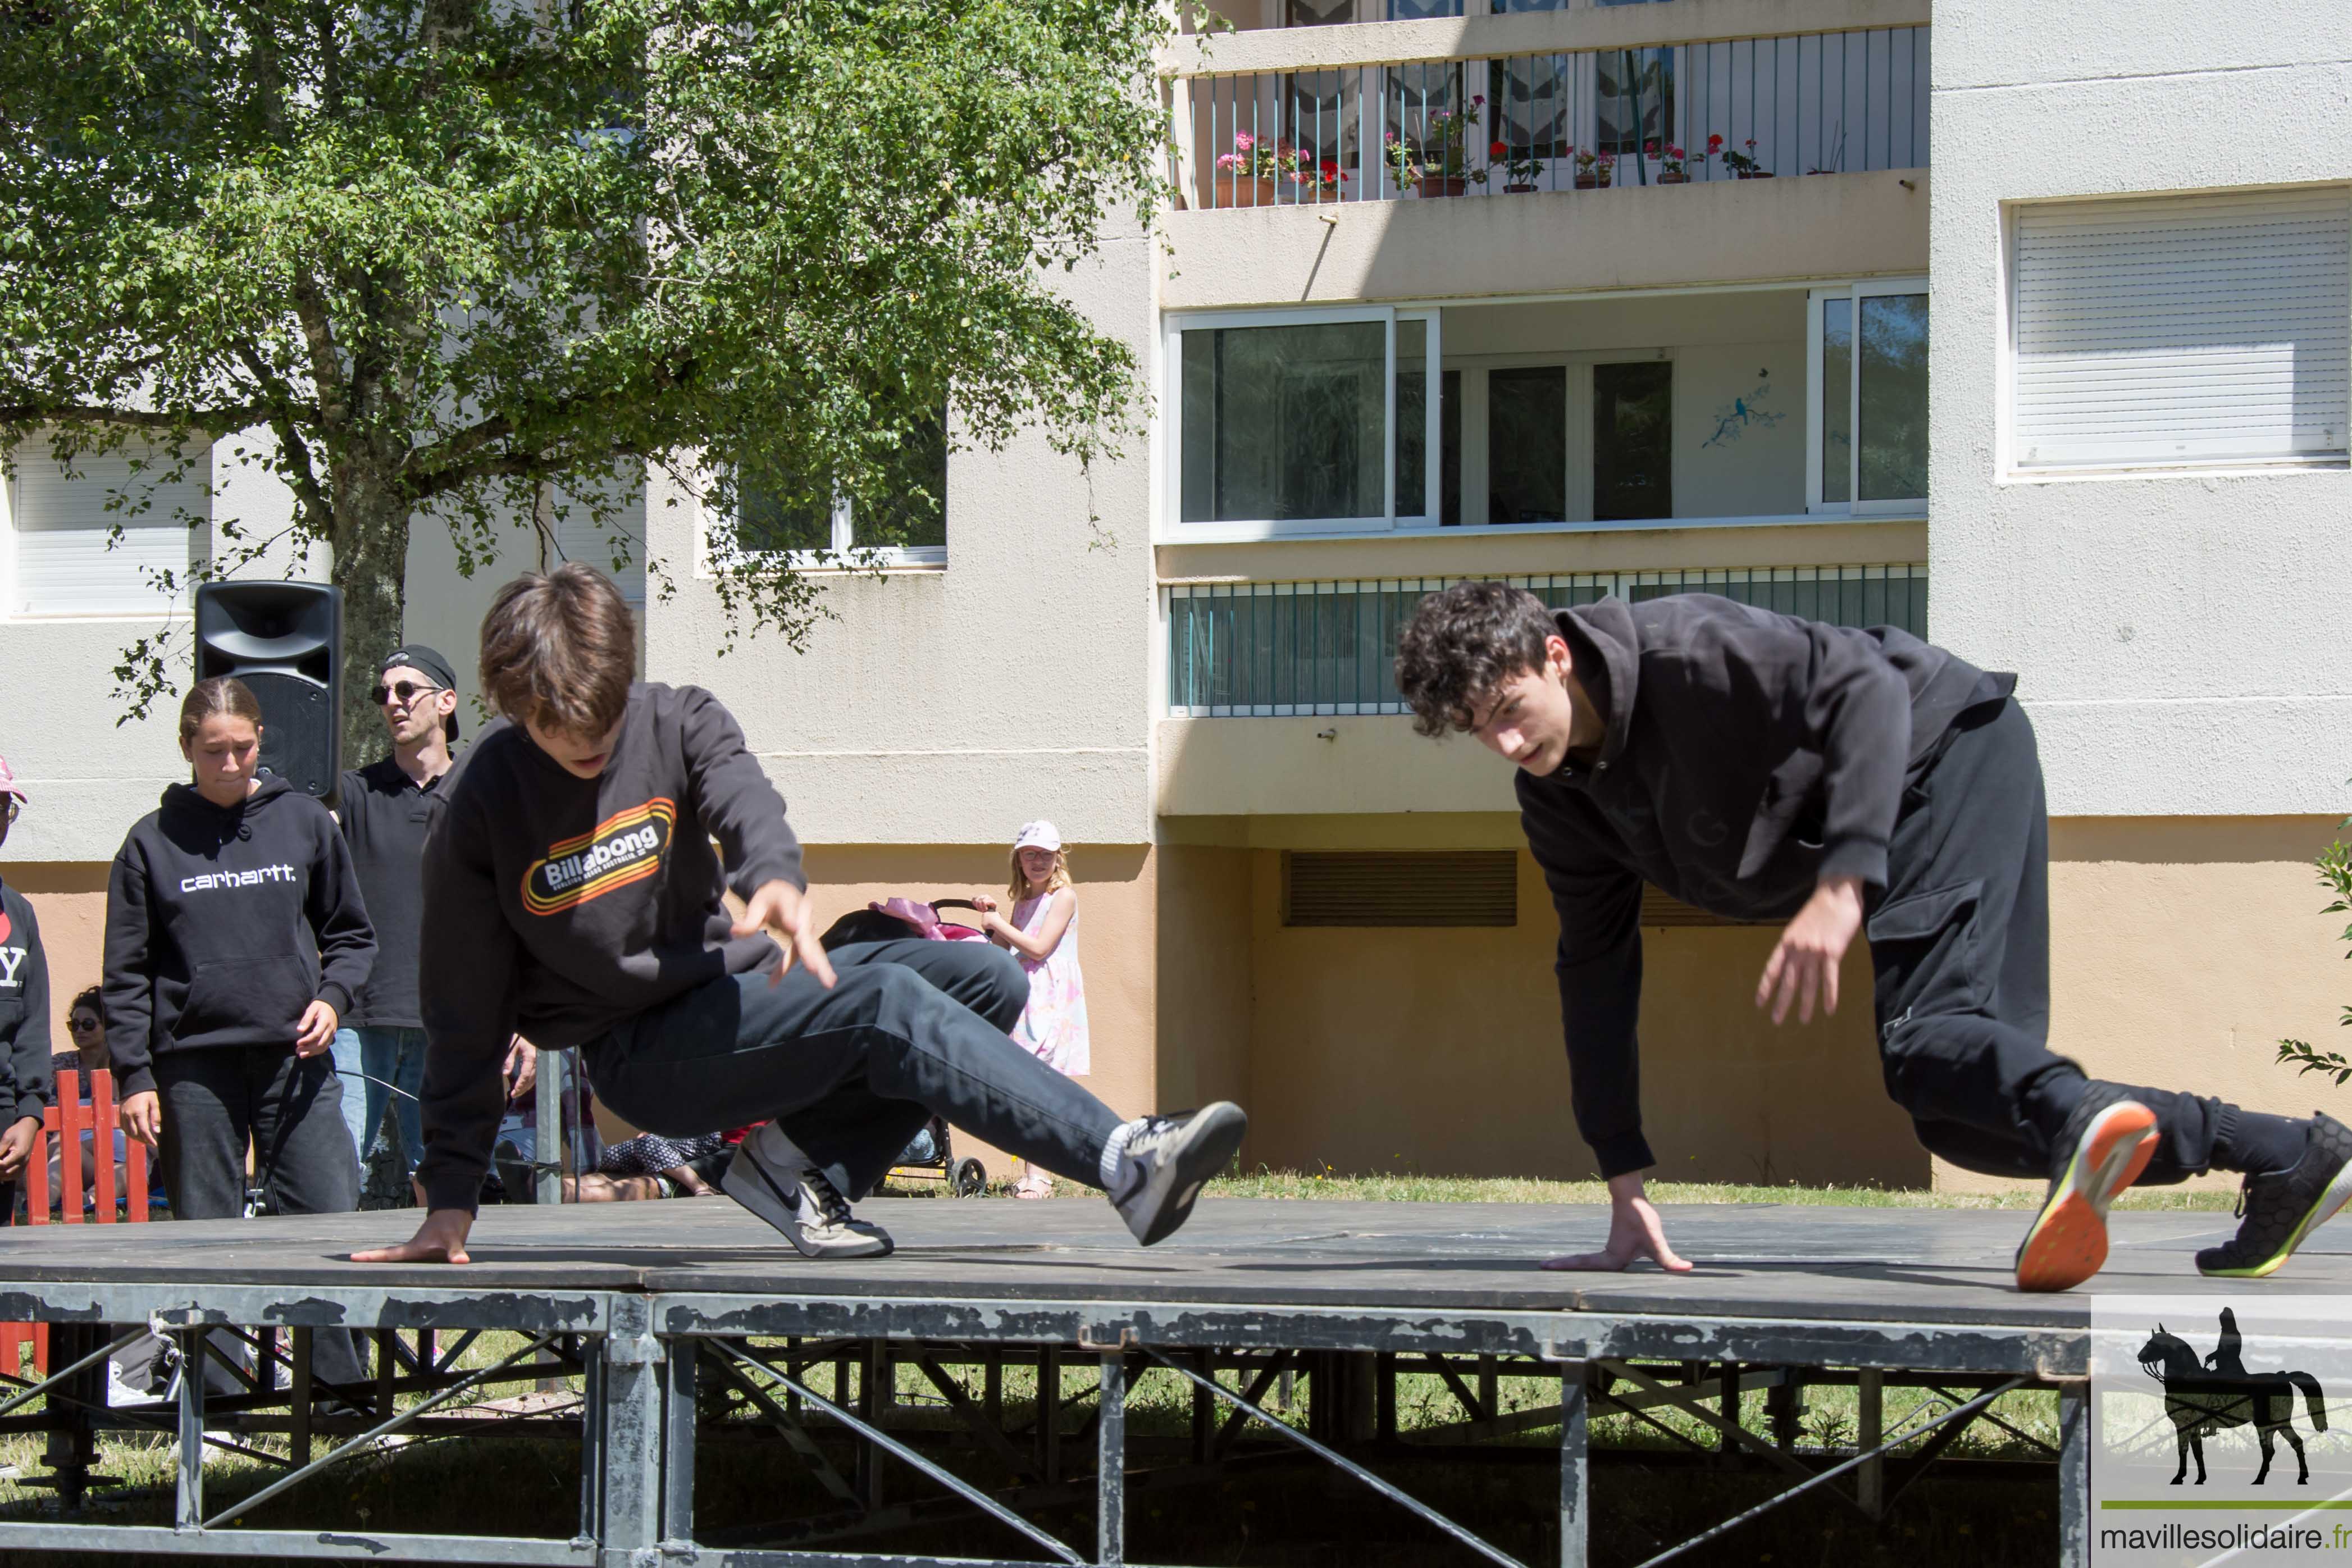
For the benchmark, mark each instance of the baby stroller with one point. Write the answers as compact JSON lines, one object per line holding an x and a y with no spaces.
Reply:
{"x":931,"y":1156}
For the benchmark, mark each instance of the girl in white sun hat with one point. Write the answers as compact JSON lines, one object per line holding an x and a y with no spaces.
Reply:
{"x":1042,"y":934}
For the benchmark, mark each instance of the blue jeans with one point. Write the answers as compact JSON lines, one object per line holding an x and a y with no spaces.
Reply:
{"x":394,"y":1056}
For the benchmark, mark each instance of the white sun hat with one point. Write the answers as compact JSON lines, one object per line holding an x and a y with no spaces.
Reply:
{"x":1038,"y":835}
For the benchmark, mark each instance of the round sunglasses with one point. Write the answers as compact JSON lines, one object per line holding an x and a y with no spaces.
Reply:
{"x":406,"y":690}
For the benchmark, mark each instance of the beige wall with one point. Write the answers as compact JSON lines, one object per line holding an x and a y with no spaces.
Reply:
{"x":1205,"y":953}
{"x":1723,"y":231}
{"x":69,"y":899}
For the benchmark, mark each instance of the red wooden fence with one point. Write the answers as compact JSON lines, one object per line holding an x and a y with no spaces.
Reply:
{"x":66,"y":1120}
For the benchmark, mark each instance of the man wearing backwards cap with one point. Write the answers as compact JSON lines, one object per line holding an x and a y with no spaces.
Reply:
{"x":24,"y":1018}
{"x":384,"y":807}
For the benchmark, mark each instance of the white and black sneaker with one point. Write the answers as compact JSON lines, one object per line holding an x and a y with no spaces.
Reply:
{"x":1165,"y":1160}
{"x":772,"y":1177}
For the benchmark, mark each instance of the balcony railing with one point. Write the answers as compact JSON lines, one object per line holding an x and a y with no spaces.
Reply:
{"x":1814,"y":103}
{"x":1270,"y":649}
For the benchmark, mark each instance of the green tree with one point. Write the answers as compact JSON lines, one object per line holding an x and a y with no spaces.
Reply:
{"x":425,"y":258}
{"x":2335,"y":864}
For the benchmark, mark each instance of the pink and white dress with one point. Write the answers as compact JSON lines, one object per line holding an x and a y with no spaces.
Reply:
{"x":1053,"y":1025}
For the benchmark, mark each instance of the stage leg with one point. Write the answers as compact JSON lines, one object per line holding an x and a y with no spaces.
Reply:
{"x":1110,"y":1449}
{"x":548,"y":1142}
{"x":298,"y":1350}
{"x":872,"y":1407}
{"x":633,"y":1428}
{"x":677,"y":1441}
{"x":1870,"y":1479}
{"x":1575,"y":1471}
{"x":190,"y":1511}
{"x":2075,"y":1474}
{"x":1049,"y":1414}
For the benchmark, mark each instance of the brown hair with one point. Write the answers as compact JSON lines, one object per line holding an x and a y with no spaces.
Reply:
{"x":221,"y":694}
{"x":558,"y":649}
{"x":1463,"y":642}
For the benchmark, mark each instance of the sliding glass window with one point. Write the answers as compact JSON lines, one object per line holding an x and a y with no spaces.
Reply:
{"x":1301,"y":422}
{"x":1867,"y":362}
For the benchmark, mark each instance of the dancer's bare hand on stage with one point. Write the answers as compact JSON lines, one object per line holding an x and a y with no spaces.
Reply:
{"x":1806,"y":963}
{"x":440,"y":1239}
{"x":1633,"y":1232}
{"x":782,"y":910}
{"x":141,"y":1116}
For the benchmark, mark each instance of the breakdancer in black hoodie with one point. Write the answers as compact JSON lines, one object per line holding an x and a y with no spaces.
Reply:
{"x":234,"y":937}
{"x":573,"y":894}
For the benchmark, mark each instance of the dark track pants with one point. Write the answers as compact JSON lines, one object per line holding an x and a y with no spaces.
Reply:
{"x":853,"y":1073}
{"x":293,"y":1108}
{"x":1961,"y":948}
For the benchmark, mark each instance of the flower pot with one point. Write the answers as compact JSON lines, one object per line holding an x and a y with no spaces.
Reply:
{"x":1755,"y":174}
{"x":1591,"y":182}
{"x":1674,"y":179}
{"x":1246,"y":191}
{"x":1443,"y":185}
{"x":1519,"y":189}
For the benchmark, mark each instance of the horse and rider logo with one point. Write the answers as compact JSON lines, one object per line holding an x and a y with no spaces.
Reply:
{"x":2210,"y":1394}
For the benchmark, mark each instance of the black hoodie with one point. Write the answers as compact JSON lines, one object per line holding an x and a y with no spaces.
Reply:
{"x":24,"y":1012}
{"x":1749,"y":757}
{"x":222,"y":924}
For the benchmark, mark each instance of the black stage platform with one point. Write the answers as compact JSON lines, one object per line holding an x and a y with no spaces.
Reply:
{"x":636,"y":1297}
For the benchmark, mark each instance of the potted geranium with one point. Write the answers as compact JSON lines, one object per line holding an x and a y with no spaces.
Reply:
{"x":1674,"y":163}
{"x":1744,"y":165}
{"x":1521,"y":168}
{"x":1246,"y":176}
{"x":1593,"y":169}
{"x":1439,"y":165}
{"x":1319,"y":183}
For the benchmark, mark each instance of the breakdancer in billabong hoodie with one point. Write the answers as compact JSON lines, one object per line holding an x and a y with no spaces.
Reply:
{"x":572,"y":895}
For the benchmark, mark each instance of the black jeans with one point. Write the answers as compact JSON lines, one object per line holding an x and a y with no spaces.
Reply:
{"x":852,"y":1074}
{"x":293,"y":1108}
{"x":1960,"y":945}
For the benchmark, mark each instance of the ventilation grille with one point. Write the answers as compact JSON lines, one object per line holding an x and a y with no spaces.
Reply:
{"x":1661,"y":909}
{"x":1448,"y":888}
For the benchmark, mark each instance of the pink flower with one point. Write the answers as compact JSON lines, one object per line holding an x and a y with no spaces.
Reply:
{"x":1244,"y":141}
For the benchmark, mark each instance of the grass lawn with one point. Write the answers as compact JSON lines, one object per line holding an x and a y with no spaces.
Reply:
{"x":1645,"y":1494}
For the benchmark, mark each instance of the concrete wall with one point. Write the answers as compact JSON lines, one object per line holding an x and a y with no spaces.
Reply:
{"x":951,"y":706}
{"x":2190,"y":619}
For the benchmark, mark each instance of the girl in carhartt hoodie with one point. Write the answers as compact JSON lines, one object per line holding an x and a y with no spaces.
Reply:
{"x":234,"y":937}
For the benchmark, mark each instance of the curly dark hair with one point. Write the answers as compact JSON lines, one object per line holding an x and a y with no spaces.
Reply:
{"x":1461,"y":644}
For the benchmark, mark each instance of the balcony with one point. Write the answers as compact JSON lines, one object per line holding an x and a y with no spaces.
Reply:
{"x":1683,"y":92}
{"x":1286,"y":649}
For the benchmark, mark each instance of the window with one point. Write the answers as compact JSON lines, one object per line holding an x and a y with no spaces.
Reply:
{"x":1296,"y":424}
{"x":616,"y":546}
{"x":1868,"y":368}
{"x":1634,"y":99}
{"x":906,"y":527}
{"x":1527,"y":445}
{"x":68,"y":560}
{"x":2180,"y":330}
{"x":1632,"y":441}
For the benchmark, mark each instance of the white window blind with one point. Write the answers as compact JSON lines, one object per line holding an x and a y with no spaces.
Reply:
{"x":2198,"y":329}
{"x":62,"y":531}
{"x":579,"y":537}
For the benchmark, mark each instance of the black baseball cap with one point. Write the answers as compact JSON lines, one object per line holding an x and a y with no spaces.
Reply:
{"x":417,"y":655}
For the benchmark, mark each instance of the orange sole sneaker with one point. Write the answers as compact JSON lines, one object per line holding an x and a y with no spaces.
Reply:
{"x":2068,"y":1242}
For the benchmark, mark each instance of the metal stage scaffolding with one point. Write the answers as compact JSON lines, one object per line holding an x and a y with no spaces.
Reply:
{"x":687,"y":1323}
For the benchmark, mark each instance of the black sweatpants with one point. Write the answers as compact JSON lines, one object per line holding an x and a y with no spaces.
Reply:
{"x":1960,"y":945}
{"x":852,"y":1074}
{"x":293,"y":1108}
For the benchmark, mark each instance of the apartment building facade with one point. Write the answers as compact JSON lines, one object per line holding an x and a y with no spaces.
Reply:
{"x":1447,"y":295}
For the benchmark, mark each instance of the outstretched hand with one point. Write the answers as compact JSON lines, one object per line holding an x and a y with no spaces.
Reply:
{"x":1635,"y":1232}
{"x":440,"y":1239}
{"x":782,"y":910}
{"x":1806,"y":961}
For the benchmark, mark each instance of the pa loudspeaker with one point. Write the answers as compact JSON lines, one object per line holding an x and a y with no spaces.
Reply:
{"x":285,"y":641}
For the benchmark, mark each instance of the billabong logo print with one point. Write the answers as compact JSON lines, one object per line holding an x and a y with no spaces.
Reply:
{"x":623,"y":848}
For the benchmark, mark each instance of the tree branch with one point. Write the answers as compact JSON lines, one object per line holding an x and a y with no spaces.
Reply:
{"x":219,"y":419}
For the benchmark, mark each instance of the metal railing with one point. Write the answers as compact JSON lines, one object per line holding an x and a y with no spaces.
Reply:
{"x":1815,"y":103}
{"x":1271,"y":649}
